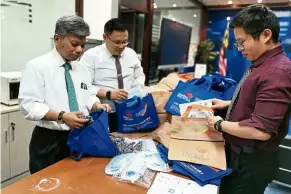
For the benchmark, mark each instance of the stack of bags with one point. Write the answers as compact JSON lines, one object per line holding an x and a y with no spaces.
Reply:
{"x":186,"y":138}
{"x":201,"y":174}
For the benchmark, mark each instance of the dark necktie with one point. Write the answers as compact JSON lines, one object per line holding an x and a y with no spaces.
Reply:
{"x":236,"y":92}
{"x":119,"y":72}
{"x":73,"y":103}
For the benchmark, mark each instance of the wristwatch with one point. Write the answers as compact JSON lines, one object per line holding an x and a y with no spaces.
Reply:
{"x":60,"y":118}
{"x":108,"y":95}
{"x":217,"y":125}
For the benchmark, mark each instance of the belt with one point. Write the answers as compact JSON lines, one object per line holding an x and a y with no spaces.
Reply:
{"x":245,"y":149}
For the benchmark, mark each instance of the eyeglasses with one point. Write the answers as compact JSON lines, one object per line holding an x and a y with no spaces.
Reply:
{"x":240,"y":44}
{"x":117,"y":43}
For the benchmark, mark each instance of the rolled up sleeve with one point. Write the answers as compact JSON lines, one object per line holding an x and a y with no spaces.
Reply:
{"x":272,"y":102}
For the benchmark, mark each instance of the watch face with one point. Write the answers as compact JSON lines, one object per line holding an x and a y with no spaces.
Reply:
{"x":215,"y":126}
{"x":108,"y":94}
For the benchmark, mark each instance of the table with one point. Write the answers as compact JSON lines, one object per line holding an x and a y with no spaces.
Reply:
{"x":86,"y":176}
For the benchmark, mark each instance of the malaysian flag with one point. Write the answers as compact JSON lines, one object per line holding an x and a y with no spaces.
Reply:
{"x":222,"y":55}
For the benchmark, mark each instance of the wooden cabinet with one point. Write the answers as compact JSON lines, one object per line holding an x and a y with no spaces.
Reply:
{"x":15,"y":138}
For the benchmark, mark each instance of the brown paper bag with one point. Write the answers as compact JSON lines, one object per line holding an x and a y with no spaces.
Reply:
{"x":151,"y":89}
{"x":170,"y":82}
{"x":162,"y":134}
{"x":193,"y":128}
{"x":161,"y":99}
{"x":199,"y":152}
{"x":164,"y":117}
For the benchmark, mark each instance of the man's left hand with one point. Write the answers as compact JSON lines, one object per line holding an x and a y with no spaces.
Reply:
{"x":211,"y":121}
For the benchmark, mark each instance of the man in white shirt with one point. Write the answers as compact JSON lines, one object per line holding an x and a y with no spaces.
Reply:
{"x":56,"y":92}
{"x":115,"y":68}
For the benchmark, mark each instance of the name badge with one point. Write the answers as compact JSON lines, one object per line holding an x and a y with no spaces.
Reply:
{"x":84,"y":86}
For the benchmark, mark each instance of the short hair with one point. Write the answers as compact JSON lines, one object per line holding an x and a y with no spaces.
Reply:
{"x":254,"y":19}
{"x":72,"y":25}
{"x":114,"y":24}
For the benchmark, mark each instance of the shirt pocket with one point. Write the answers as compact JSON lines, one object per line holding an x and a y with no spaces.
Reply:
{"x":83,"y":95}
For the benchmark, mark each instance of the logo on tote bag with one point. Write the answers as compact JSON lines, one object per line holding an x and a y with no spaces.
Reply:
{"x":186,"y":97}
{"x":129,"y":116}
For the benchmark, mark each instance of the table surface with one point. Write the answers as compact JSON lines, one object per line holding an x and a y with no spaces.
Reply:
{"x":86,"y":176}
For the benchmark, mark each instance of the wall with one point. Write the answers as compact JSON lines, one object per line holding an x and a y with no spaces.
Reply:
{"x":21,"y":40}
{"x":97,"y":13}
{"x":236,"y":63}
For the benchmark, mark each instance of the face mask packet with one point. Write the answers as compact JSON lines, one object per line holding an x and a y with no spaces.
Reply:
{"x":119,"y":163}
{"x":156,"y":163}
{"x":136,"y":172}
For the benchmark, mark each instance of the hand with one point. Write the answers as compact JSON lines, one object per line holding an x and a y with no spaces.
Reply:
{"x":219,"y":104}
{"x":211,"y":121}
{"x":73,"y":119}
{"x":99,"y":106}
{"x":119,"y":95}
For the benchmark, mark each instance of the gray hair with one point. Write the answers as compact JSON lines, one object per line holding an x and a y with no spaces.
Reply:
{"x":72,"y":25}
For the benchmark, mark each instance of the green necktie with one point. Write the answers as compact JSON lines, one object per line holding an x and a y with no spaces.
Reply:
{"x":73,"y":103}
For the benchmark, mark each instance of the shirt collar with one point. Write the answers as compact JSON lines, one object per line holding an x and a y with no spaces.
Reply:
{"x":60,"y":61}
{"x":269,"y":54}
{"x":108,"y":54}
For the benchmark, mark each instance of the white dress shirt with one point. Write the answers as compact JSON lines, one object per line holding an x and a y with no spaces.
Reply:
{"x":43,"y":88}
{"x":101,"y":65}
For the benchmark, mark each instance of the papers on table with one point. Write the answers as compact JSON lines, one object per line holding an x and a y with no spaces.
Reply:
{"x":170,"y":184}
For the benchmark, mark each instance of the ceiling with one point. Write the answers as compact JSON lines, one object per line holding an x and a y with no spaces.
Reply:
{"x":240,"y":2}
{"x":189,"y":3}
{"x":169,"y":3}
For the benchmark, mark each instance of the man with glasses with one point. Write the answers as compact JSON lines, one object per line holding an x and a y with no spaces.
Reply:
{"x":258,"y":115}
{"x":115,"y":68}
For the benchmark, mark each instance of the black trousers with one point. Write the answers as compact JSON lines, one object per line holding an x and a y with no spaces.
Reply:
{"x":112,"y":122}
{"x":252,"y":172}
{"x":47,"y":147}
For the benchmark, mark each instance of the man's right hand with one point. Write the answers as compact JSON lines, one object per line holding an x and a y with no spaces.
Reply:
{"x":219,"y":104}
{"x":73,"y":119}
{"x":119,"y":95}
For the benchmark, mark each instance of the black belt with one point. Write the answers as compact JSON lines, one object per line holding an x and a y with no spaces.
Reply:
{"x":245,"y":149}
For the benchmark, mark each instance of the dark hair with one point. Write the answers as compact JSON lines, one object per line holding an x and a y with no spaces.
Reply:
{"x":254,"y":19}
{"x":114,"y":24}
{"x":72,"y":25}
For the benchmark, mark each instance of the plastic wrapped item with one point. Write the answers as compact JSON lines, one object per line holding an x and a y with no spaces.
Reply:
{"x":125,"y":145}
{"x":136,"y":91}
{"x":148,"y":145}
{"x":156,"y":163}
{"x":119,"y":163}
{"x":136,"y":172}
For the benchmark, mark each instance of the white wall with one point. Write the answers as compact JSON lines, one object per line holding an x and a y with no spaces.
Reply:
{"x":21,"y":40}
{"x":186,"y":16}
{"x":97,"y":13}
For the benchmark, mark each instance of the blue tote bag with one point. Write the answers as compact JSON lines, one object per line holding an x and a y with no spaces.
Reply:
{"x":200,"y":173}
{"x":93,"y":139}
{"x":136,"y":114}
{"x":207,"y":87}
{"x":188,"y":92}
